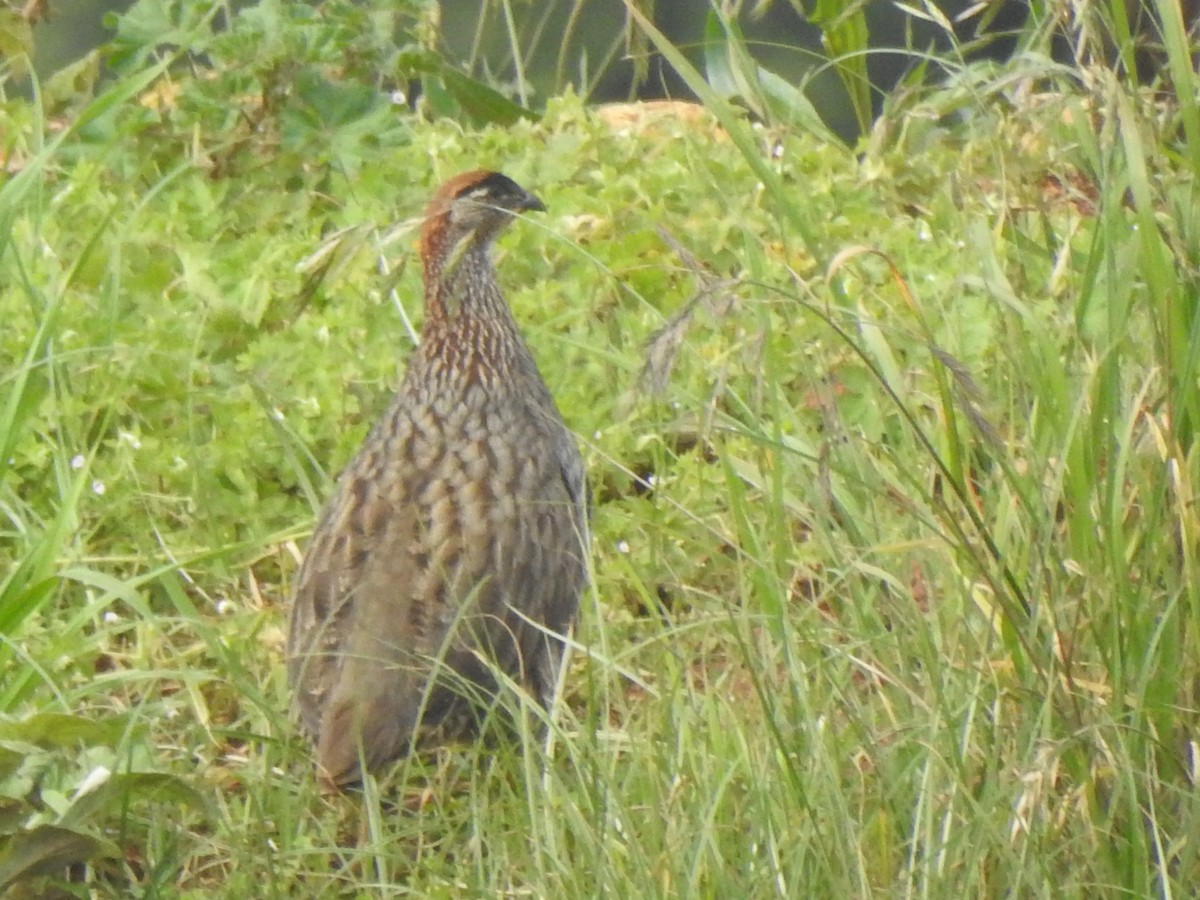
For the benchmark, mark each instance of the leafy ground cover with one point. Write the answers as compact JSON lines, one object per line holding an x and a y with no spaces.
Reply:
{"x":894,"y":582}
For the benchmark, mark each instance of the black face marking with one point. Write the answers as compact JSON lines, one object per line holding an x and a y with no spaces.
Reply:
{"x":495,"y":189}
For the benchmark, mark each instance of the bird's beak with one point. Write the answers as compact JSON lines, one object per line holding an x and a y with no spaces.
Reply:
{"x":532,"y":204}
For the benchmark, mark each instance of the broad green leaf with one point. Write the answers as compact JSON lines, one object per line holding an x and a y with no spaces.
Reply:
{"x":45,"y":850}
{"x":335,"y":103}
{"x":50,"y":729}
{"x":124,"y":789}
{"x":483,"y":104}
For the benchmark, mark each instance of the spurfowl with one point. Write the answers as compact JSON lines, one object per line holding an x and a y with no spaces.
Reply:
{"x":454,"y":546}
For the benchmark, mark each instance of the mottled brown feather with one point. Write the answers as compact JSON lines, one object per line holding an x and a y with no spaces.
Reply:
{"x":461,"y":520}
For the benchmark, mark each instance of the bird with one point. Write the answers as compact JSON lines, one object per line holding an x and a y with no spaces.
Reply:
{"x":451,"y":558}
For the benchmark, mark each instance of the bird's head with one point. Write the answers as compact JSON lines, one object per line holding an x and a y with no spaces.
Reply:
{"x":470,"y":209}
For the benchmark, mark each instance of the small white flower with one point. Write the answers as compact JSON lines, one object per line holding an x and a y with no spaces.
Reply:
{"x":111,"y":618}
{"x":130,"y":439}
{"x":623,"y":546}
{"x":94,"y":779}
{"x":923,"y":232}
{"x":98,"y":488}
{"x":276,"y":414}
{"x":78,"y":461}
{"x":225,"y":606}
{"x":399,"y":98}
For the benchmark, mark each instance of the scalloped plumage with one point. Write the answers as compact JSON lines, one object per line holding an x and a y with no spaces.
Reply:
{"x":455,"y":542}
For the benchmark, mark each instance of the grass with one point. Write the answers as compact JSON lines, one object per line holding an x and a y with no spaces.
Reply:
{"x":894,"y":582}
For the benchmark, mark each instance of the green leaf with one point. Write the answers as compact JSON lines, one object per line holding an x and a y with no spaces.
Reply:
{"x":718,"y":58}
{"x":16,"y":41}
{"x":846,"y":37}
{"x":45,"y":850}
{"x":149,"y":25}
{"x":73,"y":83}
{"x":118,"y":790}
{"x":735,"y":74}
{"x":335,"y":103}
{"x":23,"y":592}
{"x":62,"y":729}
{"x":483,"y":104}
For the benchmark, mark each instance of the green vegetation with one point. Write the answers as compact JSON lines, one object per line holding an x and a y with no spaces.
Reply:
{"x":893,"y":451}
